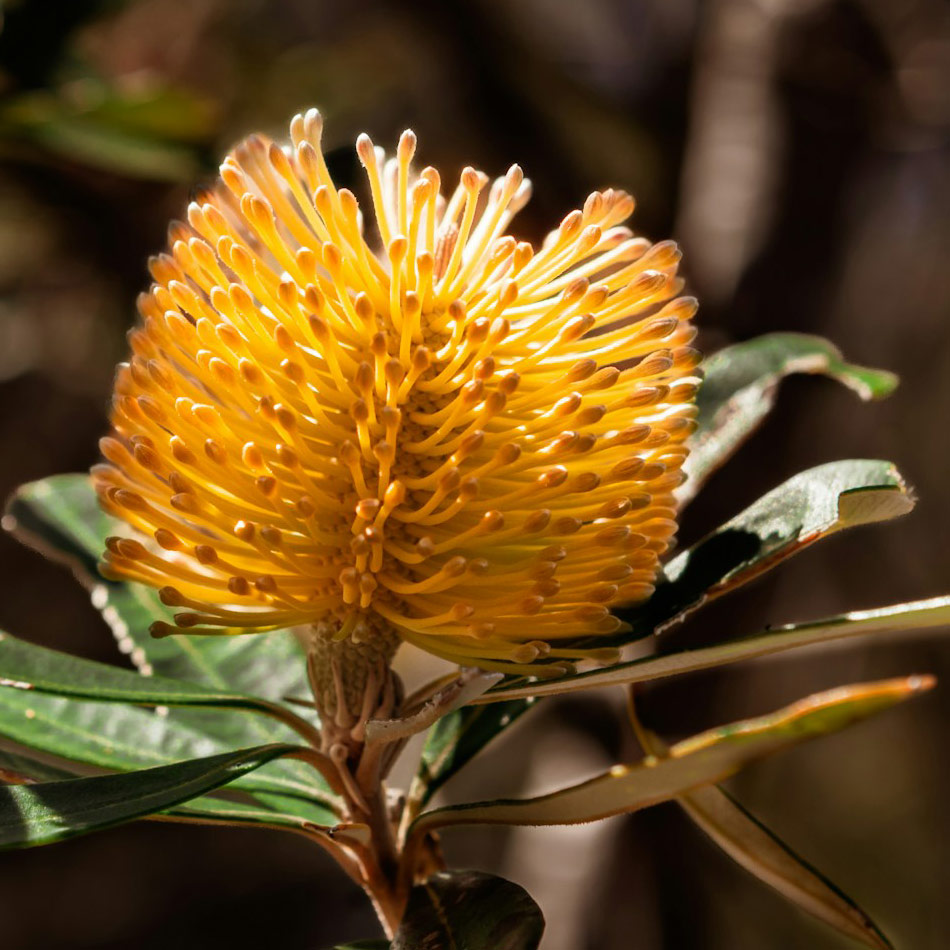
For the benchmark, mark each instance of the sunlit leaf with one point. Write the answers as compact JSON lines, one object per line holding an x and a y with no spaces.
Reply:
{"x":51,"y":811}
{"x":807,"y":508}
{"x":27,"y":666}
{"x":471,"y":910}
{"x":740,"y":386}
{"x":900,"y":618}
{"x":708,"y":757}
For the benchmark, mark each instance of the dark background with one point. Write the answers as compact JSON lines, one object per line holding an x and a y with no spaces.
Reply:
{"x":798,"y":149}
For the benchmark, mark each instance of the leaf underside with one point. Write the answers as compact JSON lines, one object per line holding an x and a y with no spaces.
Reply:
{"x":901,"y":619}
{"x":52,"y":811}
{"x":764,"y":855}
{"x":706,"y":758}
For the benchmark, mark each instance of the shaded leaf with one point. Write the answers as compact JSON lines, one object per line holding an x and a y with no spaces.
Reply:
{"x":113,"y":149}
{"x":262,"y":808}
{"x":365,"y":945}
{"x":918,"y":615}
{"x":708,"y":757}
{"x":471,"y":910}
{"x":761,"y":852}
{"x":740,"y":387}
{"x":41,"y":814}
{"x":16,"y":769}
{"x":462,"y":690}
{"x":211,"y":810}
{"x":456,"y":738}
{"x":748,"y":842}
{"x":138,"y":132}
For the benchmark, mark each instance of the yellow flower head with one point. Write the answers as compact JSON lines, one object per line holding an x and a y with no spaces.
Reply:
{"x":423,"y":426}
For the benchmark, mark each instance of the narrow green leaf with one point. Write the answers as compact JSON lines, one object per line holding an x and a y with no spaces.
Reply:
{"x":262,"y":810}
{"x":140,"y":133}
{"x":28,"y":666}
{"x":807,"y":508}
{"x":41,"y":814}
{"x":709,"y":757}
{"x":124,"y":738}
{"x":740,"y":386}
{"x":471,"y":910}
{"x":900,"y":618}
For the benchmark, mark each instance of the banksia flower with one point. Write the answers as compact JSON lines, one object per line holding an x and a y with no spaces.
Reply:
{"x":420,"y":426}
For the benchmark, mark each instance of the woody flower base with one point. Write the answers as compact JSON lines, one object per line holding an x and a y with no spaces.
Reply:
{"x":341,"y":434}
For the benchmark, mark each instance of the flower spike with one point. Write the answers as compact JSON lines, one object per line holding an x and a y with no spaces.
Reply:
{"x":448,"y":435}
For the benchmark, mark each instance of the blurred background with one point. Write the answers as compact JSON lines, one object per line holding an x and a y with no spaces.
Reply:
{"x":800,"y":152}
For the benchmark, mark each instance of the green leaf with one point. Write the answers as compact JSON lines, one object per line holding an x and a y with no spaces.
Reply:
{"x":453,"y":910}
{"x":706,"y":758}
{"x":157,"y":111}
{"x":262,"y":808}
{"x":101,"y":735}
{"x":27,"y":666}
{"x":41,"y":814}
{"x":740,"y":386}
{"x":761,"y":852}
{"x":899,"y":618}
{"x":456,"y":738}
{"x":61,"y":518}
{"x":122,"y":738}
{"x":807,"y":508}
